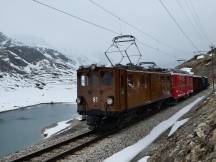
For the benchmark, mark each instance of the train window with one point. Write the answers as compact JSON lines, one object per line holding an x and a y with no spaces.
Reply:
{"x":83,"y":80}
{"x":162,"y":78}
{"x":106,"y":78}
{"x":130,"y":80}
{"x":122,"y":86}
{"x":142,"y":80}
{"x":94,"y":79}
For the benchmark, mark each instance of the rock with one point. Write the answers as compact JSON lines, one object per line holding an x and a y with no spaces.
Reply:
{"x":169,"y":159}
{"x":202,"y":130}
{"x":195,"y":153}
{"x":192,"y":144}
{"x":188,"y":157}
{"x":190,"y":136}
{"x":212,"y":156}
{"x":39,"y":85}
{"x":213,"y":139}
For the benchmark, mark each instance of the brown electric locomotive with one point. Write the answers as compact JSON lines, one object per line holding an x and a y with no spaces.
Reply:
{"x":108,"y":92}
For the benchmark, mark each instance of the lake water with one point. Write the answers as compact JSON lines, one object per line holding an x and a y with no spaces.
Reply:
{"x":22,"y":128}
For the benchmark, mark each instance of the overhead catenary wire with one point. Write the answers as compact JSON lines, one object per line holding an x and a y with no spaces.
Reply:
{"x":98,"y":26}
{"x":133,"y":26}
{"x":157,"y":49}
{"x":77,"y":17}
{"x":198,"y":21}
{"x":178,"y":25}
{"x":189,"y":19}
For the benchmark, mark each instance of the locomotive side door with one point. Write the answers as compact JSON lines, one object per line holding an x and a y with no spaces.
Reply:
{"x":123,"y":89}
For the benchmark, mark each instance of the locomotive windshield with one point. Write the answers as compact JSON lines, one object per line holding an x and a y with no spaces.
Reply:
{"x":83,"y":80}
{"x":106,"y":78}
{"x":94,"y":79}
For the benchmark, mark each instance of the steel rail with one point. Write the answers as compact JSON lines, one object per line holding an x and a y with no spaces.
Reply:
{"x":57,"y":146}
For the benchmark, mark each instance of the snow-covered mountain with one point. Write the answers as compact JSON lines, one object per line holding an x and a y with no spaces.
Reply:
{"x":37,"y":63}
{"x":26,"y":59}
{"x":45,"y":73}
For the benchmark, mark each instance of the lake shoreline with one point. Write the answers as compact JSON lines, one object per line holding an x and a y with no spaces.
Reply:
{"x":22,"y":128}
{"x":45,"y":103}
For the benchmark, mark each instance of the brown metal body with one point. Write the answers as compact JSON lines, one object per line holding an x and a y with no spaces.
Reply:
{"x":129,"y":89}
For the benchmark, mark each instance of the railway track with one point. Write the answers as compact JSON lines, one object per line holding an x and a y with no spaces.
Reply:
{"x":60,"y":150}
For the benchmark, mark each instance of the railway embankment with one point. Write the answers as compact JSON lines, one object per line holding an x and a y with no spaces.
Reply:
{"x":195,"y":141}
{"x":130,"y":135}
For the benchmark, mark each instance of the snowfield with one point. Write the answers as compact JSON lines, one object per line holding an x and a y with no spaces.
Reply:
{"x":17,"y":92}
{"x":28,"y":96}
{"x":31,"y":75}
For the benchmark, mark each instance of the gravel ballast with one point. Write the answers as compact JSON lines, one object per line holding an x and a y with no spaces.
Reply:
{"x":128,"y":136}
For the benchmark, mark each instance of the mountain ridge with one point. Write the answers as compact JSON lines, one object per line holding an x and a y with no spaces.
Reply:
{"x":200,"y":64}
{"x":38,"y":65}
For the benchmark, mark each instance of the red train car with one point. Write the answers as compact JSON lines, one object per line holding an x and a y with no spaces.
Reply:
{"x":181,"y":85}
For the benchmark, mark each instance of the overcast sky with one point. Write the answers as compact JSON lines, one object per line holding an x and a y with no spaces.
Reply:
{"x":26,"y":18}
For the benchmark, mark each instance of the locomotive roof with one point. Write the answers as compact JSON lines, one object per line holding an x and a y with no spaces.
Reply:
{"x":127,"y":68}
{"x":140,"y":69}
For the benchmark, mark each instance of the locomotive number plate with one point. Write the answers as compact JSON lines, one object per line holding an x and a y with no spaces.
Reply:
{"x":95,"y":99}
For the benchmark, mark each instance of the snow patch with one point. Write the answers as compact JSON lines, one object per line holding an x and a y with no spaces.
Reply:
{"x":177,"y":125}
{"x":6,"y":59}
{"x":130,"y":152}
{"x":17,"y":91}
{"x":200,"y":57}
{"x":144,"y":159}
{"x":57,"y":129}
{"x":81,"y":117}
{"x":187,"y":69}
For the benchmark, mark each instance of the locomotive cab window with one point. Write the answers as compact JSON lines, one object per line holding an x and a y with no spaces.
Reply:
{"x":142,"y":80}
{"x":130,"y":80}
{"x":94,"y":79}
{"x":106,"y":78}
{"x":83,"y":80}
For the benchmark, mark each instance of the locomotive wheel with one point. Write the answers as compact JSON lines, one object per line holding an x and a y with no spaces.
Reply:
{"x":93,"y":122}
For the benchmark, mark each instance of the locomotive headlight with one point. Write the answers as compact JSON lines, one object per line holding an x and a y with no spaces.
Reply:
{"x":93,"y":67}
{"x":110,"y":101}
{"x":78,"y":100}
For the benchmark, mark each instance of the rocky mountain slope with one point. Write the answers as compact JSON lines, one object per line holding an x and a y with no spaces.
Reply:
{"x":35,"y":63}
{"x":193,"y":142}
{"x":26,"y":69}
{"x":200,"y":64}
